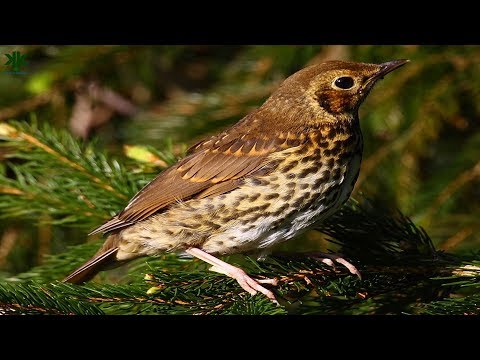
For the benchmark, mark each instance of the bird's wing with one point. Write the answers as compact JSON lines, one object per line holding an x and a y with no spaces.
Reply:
{"x":213,"y":167}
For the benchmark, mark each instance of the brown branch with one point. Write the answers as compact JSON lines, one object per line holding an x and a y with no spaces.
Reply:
{"x":373,"y":160}
{"x":456,"y":239}
{"x":26,"y":105}
{"x":34,"y":102}
{"x":455,"y":185}
{"x":6,"y":309}
{"x":10,"y":191}
{"x":7,"y":242}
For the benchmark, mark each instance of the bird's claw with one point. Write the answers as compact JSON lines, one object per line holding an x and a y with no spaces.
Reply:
{"x":330,"y":259}
{"x":247,"y":283}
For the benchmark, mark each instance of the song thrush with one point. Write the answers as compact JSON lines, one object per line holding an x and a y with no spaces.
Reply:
{"x":276,"y":173}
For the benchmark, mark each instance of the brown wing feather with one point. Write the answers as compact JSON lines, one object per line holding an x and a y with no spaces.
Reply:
{"x":213,"y":167}
{"x":112,"y":224}
{"x":220,"y":188}
{"x":91,"y":267}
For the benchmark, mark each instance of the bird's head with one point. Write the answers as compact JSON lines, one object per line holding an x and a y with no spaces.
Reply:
{"x":332,"y":90}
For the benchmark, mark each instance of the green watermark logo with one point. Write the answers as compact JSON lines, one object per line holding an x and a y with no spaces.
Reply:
{"x":16,"y":61}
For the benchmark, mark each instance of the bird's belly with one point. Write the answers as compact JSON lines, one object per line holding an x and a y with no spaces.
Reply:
{"x":310,"y":200}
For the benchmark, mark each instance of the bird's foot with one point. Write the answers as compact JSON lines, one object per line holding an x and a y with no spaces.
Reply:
{"x":247,"y":283}
{"x":331,"y":259}
{"x":273,"y":282}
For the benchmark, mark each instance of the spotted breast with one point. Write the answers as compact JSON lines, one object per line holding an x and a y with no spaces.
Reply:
{"x":313,"y":181}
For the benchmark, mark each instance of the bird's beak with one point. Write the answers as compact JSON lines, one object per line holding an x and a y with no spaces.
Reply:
{"x":387,"y":67}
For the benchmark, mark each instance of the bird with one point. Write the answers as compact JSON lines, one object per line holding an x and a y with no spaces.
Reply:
{"x":283,"y":168}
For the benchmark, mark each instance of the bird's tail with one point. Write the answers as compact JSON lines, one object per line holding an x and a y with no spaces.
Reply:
{"x":103,"y":259}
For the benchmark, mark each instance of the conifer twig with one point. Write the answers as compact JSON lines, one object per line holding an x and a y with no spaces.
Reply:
{"x":12,"y":133}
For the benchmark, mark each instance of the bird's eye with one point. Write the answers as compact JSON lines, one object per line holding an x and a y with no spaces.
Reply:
{"x":344,"y":82}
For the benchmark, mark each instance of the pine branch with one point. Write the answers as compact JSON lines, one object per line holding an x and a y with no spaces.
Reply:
{"x":469,"y":305}
{"x":374,"y":235}
{"x":56,"y":267}
{"x":31,"y":299}
{"x":306,"y":286}
{"x":57,"y":175}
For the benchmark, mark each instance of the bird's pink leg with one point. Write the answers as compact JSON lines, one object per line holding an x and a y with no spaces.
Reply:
{"x":329,"y":259}
{"x":246,"y":282}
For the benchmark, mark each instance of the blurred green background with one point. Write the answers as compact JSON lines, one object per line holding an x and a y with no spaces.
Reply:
{"x":421,"y":124}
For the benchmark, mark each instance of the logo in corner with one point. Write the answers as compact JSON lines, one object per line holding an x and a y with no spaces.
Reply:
{"x":16,"y":61}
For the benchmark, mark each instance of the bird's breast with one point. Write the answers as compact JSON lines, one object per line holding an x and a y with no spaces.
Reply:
{"x":309,"y":183}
